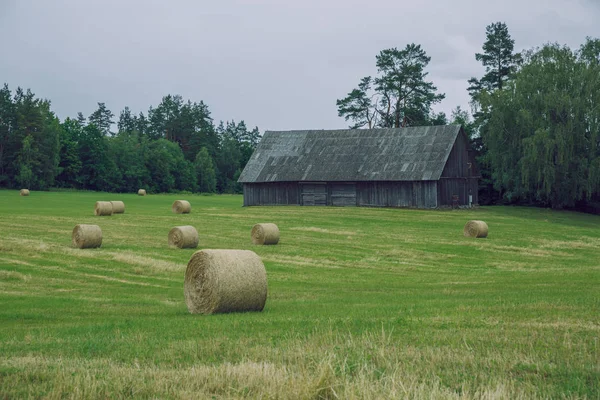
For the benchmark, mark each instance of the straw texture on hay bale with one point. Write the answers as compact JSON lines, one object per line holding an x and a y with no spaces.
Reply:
{"x":181,"y":207}
{"x":141,"y":192}
{"x":103,"y":208}
{"x":219,"y":281}
{"x":118,"y":207}
{"x":24,"y":192}
{"x":86,"y":236}
{"x":265,"y":234}
{"x":184,"y":237}
{"x":476,"y":229}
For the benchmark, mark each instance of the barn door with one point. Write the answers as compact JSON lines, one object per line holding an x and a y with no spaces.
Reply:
{"x":343,"y":194}
{"x":314,"y":194}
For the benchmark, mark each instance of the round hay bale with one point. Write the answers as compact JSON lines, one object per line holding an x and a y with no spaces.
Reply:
{"x":184,"y":237}
{"x":181,"y":207}
{"x":118,"y":207}
{"x":265,"y":234}
{"x":476,"y":229}
{"x":86,"y":236}
{"x":103,"y":208}
{"x":141,"y":192}
{"x":219,"y":281}
{"x":24,"y":192}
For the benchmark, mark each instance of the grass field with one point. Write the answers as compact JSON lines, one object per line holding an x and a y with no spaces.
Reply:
{"x":363,"y":303}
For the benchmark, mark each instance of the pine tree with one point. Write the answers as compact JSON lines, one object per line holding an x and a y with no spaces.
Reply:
{"x":498,"y":58}
{"x":401,"y":94}
{"x":126,"y":122}
{"x":102,"y":118}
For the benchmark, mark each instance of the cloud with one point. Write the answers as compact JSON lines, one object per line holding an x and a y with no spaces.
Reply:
{"x":275,"y":64}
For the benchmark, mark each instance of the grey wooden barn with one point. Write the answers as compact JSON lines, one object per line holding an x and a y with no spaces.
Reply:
{"x":422,"y":167}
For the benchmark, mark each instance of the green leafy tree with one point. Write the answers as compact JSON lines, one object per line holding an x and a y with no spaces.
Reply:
{"x":205,"y":171}
{"x":7,"y":127}
{"x":439,"y":118}
{"x":462,"y":117}
{"x":130,"y":150}
{"x":229,"y":159}
{"x":501,"y":63}
{"x":99,"y":170}
{"x":69,"y":165}
{"x":169,"y":170}
{"x":543,"y":134}
{"x":25,"y":177}
{"x":34,"y":119}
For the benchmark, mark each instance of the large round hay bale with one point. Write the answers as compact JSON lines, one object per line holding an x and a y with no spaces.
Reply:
{"x":219,"y":281}
{"x":118,"y":207}
{"x":24,"y":192}
{"x":102,"y":208}
{"x":476,"y":229}
{"x":87,"y":236}
{"x":184,"y":237}
{"x":141,"y":192}
{"x":181,"y":207}
{"x":265,"y":234}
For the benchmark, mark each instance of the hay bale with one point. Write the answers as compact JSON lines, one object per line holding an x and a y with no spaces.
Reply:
{"x":476,"y":229}
{"x":86,"y":236}
{"x":118,"y":207}
{"x":265,"y":234}
{"x":24,"y":192}
{"x":184,"y":237}
{"x":219,"y":281}
{"x":141,"y":192}
{"x":103,"y":208}
{"x":181,"y":207}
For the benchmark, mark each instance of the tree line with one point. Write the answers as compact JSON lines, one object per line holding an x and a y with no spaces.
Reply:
{"x":534,"y":122}
{"x":534,"y":125}
{"x":175,"y":146}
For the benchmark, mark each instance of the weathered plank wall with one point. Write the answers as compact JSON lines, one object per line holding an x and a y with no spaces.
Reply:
{"x":313,"y":194}
{"x":276,"y":193}
{"x":461,"y":187}
{"x":418,"y":194}
{"x":342,"y":194}
{"x":460,"y":175}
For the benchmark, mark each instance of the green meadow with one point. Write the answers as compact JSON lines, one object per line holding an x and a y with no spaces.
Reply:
{"x":362,"y":303}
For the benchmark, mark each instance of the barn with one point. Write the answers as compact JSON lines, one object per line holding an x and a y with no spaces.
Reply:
{"x":420,"y":167}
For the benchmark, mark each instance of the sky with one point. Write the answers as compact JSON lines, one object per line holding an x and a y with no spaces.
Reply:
{"x":276,"y":64}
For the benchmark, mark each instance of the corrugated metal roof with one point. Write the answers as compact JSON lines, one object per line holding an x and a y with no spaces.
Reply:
{"x":400,"y":154}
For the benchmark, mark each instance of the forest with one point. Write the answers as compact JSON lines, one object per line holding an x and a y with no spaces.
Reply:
{"x":174,"y":147}
{"x":534,"y":123}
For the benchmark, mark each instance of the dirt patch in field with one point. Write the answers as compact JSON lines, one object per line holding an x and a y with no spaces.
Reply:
{"x":13,"y":276}
{"x":583,"y":242}
{"x":589,"y":326}
{"x":147,"y":262}
{"x":111,"y":279}
{"x":300,"y":261}
{"x":322,"y":230}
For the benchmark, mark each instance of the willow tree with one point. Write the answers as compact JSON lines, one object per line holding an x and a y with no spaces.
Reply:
{"x":543,"y":132}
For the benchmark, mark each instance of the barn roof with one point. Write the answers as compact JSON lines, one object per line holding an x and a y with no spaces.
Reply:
{"x":399,"y":154}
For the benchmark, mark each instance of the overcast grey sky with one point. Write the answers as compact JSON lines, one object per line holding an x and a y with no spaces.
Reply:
{"x":277,"y":64}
